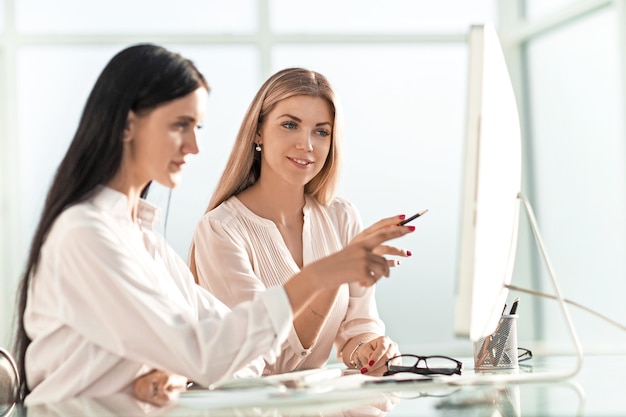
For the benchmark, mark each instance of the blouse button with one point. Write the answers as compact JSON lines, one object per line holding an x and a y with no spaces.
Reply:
{"x":303,"y":353}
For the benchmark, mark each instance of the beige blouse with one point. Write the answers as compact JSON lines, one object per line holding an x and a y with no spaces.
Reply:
{"x":239,"y":254}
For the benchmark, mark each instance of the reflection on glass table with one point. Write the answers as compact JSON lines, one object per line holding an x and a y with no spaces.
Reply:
{"x":128,"y":406}
{"x":595,"y":391}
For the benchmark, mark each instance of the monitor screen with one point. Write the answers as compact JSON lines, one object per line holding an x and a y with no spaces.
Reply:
{"x":490,"y":186}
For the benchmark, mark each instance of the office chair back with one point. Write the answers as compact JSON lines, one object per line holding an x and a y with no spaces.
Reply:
{"x":9,"y":382}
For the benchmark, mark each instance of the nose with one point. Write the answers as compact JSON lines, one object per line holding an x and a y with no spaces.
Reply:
{"x":305,"y":143}
{"x":190,"y":144}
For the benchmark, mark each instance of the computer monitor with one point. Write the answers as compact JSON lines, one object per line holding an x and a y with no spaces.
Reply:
{"x":491,"y":183}
{"x":490,"y":207}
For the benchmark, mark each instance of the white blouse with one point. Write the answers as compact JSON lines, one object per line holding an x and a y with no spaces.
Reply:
{"x":110,"y":301}
{"x":239,"y":254}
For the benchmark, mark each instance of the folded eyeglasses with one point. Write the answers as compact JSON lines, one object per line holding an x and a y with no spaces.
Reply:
{"x":424,"y":365}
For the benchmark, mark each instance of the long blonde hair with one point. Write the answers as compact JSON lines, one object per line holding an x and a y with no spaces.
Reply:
{"x":244,"y":164}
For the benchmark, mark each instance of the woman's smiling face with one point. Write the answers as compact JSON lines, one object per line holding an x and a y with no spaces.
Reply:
{"x":296,"y":137}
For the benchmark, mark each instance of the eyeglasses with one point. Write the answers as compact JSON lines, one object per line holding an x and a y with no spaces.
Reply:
{"x":524,"y":354}
{"x":423,"y":365}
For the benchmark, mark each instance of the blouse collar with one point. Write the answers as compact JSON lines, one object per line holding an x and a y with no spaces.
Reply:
{"x":116,"y":203}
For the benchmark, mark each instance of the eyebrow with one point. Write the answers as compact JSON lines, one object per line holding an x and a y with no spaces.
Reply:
{"x":297,"y":119}
{"x":187,"y":118}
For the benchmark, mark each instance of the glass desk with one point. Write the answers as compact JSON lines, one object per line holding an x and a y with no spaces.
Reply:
{"x":595,"y":391}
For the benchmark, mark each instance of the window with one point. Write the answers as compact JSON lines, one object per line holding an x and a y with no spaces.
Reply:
{"x":368,"y":17}
{"x":535,"y":9}
{"x":182,"y":17}
{"x":578,"y":150}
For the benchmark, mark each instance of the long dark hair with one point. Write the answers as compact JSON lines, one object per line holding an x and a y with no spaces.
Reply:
{"x":139,"y":78}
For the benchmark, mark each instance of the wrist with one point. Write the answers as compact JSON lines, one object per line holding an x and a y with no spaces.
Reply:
{"x":354,"y":360}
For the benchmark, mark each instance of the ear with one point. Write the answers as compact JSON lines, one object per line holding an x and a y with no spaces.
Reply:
{"x":258,"y":140}
{"x":129,"y":129}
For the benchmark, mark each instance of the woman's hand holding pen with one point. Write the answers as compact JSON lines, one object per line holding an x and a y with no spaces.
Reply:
{"x":357,"y":262}
{"x":386,"y":249}
{"x":361,"y":261}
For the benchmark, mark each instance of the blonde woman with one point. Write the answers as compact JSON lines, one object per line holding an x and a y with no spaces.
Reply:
{"x":274,"y":212}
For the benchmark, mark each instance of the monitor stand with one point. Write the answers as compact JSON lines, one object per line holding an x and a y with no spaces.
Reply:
{"x":507,"y":377}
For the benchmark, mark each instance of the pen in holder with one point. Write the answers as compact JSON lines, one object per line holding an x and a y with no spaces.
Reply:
{"x":499,"y":349}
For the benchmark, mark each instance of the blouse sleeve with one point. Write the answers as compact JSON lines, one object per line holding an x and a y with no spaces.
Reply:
{"x":114,"y":300}
{"x":223,"y":264}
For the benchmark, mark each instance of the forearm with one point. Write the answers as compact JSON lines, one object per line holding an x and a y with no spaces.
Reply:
{"x":309,"y":322}
{"x":301,"y":289}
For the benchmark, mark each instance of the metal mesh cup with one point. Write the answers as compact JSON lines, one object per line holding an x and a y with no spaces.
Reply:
{"x":499,"y":349}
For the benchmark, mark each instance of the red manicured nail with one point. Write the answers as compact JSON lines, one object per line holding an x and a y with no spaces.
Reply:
{"x":408,"y":253}
{"x":402,"y":216}
{"x":411,"y":228}
{"x":371,"y":363}
{"x":364,"y":370}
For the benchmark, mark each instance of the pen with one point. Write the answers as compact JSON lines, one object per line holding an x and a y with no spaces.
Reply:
{"x":499,"y":342}
{"x":413,"y":217}
{"x":487,"y":349}
{"x":502,"y":352}
{"x":484,"y":351}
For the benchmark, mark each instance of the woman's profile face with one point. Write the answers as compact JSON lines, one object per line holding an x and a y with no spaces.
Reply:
{"x":158,"y":142}
{"x":296,"y":137}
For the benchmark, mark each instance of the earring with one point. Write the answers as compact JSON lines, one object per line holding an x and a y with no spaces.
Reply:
{"x":258,"y":148}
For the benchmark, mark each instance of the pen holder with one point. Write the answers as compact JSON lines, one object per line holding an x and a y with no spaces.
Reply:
{"x":499,"y":349}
